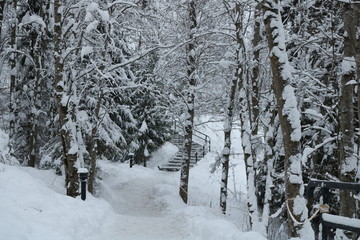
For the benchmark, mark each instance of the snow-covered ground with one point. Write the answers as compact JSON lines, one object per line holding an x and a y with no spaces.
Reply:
{"x":34,"y":206}
{"x":137,"y":203}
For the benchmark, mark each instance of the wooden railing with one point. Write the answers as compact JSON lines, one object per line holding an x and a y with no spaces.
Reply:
{"x":329,"y":221}
{"x":198,"y":137}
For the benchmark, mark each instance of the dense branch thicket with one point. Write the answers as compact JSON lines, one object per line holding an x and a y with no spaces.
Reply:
{"x":90,"y":79}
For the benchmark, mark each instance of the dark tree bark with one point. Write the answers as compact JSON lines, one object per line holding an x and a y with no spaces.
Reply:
{"x":347,"y":158}
{"x":289,"y":115}
{"x":249,"y":102}
{"x":262,"y":175}
{"x":2,"y":6}
{"x":12,"y":63}
{"x":255,"y":77}
{"x":93,"y":145}
{"x":38,"y":49}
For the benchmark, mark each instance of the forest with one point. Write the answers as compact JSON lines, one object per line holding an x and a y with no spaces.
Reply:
{"x":83,"y":80}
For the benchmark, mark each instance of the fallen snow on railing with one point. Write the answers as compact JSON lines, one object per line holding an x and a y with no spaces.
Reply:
{"x":351,"y":222}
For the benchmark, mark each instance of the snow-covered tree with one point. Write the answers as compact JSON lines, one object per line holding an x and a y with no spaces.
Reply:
{"x":289,"y":115}
{"x":191,"y":82}
{"x":348,"y":160}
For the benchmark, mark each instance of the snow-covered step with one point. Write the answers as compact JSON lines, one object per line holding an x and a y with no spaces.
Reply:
{"x":175,"y":163}
{"x":180,"y":162}
{"x":169,"y":168}
{"x":172,"y":167}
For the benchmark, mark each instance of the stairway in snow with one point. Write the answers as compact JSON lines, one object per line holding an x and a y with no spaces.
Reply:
{"x":200,"y":147}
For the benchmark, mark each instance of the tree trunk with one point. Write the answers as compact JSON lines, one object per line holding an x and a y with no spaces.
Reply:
{"x":356,"y":21}
{"x":190,"y":101}
{"x":289,"y":115}
{"x":255,"y":78}
{"x":249,"y":156}
{"x":36,"y":52}
{"x":265,"y":172}
{"x":249,"y":102}
{"x":67,"y":132}
{"x":230,"y":108}
{"x":347,"y":158}
{"x":2,"y":7}
{"x":12,"y":63}
{"x":269,"y":157}
{"x":356,"y":18}
{"x":227,"y":140}
{"x":93,"y":145}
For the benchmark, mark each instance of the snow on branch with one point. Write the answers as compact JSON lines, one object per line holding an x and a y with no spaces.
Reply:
{"x":171,"y":47}
{"x":30,"y":19}
{"x":348,"y":1}
{"x":8,"y":51}
{"x":146,"y":52}
{"x":308,"y":151}
{"x":94,"y":7}
{"x":133,"y":59}
{"x":110,"y":5}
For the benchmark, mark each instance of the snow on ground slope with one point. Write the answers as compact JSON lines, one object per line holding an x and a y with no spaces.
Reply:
{"x":138,"y":204}
{"x":33,"y":209}
{"x":204,"y":189}
{"x":133,"y":204}
{"x":149,"y":200}
{"x":205,"y":186}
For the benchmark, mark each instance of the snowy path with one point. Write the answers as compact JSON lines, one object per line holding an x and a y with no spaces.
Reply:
{"x":137,"y":198}
{"x":135,"y":204}
{"x":141,"y":216}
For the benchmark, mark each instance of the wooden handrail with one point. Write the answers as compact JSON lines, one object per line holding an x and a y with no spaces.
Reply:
{"x":206,"y":138}
{"x":325,"y":187}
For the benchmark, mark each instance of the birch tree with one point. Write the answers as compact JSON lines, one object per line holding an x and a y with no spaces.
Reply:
{"x":248,"y":117}
{"x":230,"y":105}
{"x":191,"y":77}
{"x":259,"y":171}
{"x":63,"y":104}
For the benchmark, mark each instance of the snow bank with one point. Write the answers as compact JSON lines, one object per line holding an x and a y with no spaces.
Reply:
{"x":217,"y":228}
{"x":203,"y":222}
{"x":33,"y":208}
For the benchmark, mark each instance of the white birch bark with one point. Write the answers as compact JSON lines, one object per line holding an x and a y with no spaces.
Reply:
{"x":65,"y":107}
{"x":190,"y":101}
